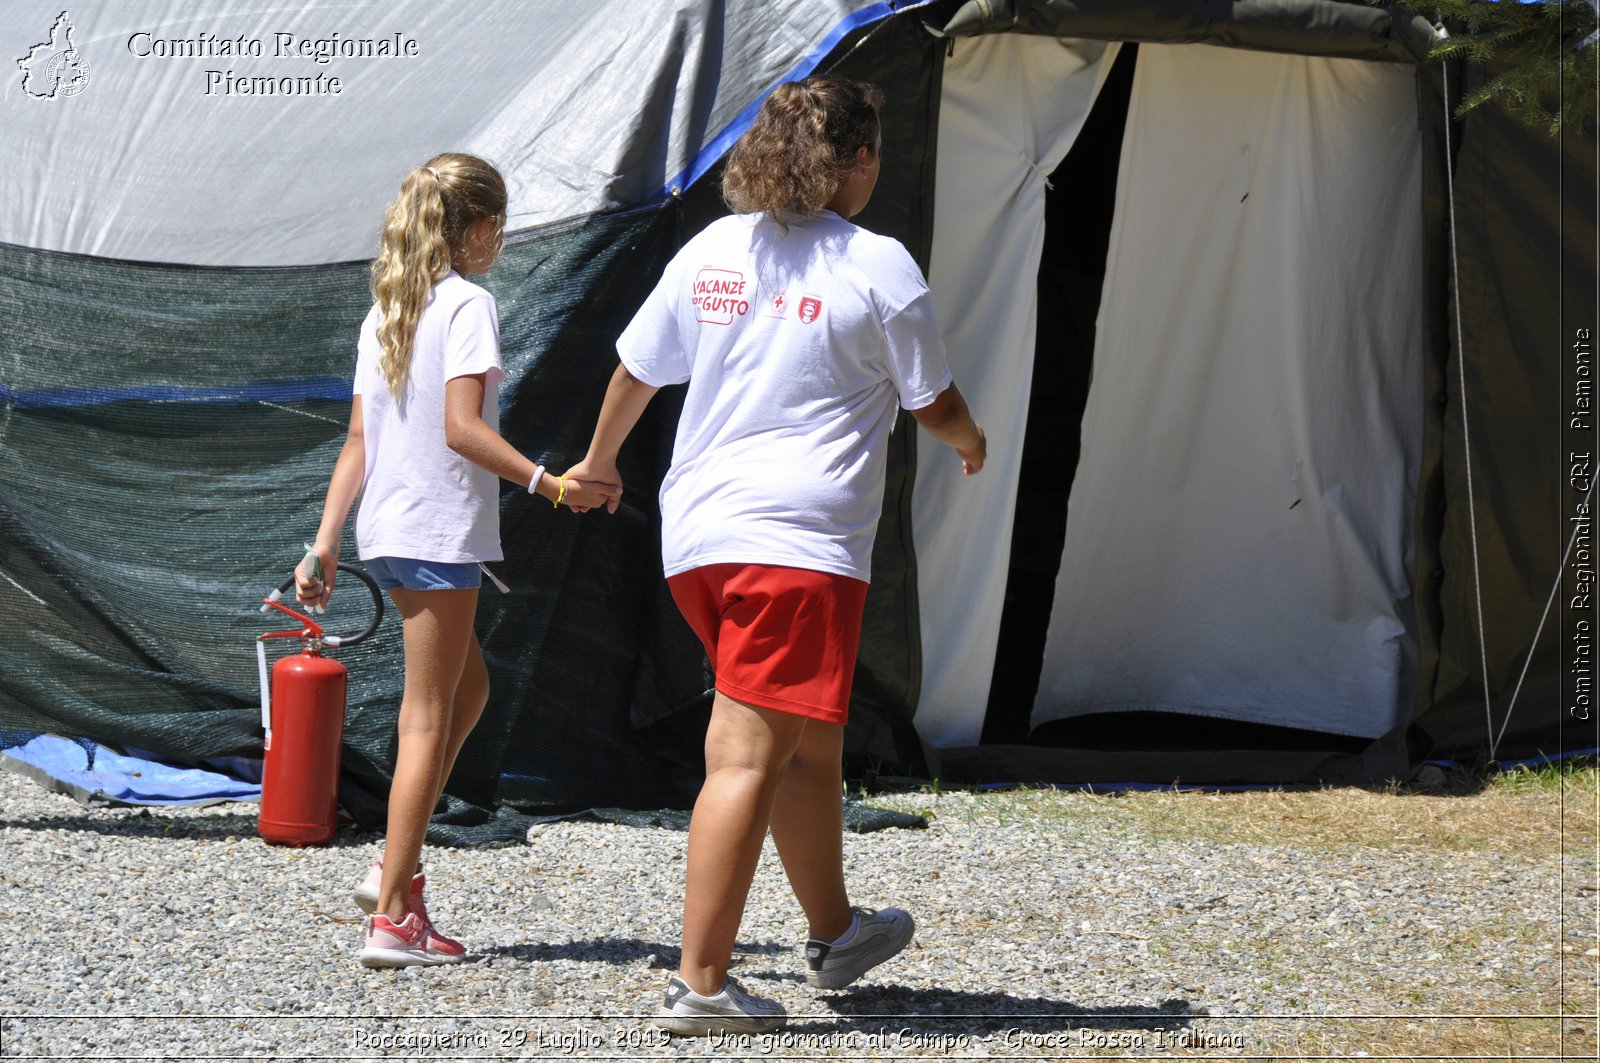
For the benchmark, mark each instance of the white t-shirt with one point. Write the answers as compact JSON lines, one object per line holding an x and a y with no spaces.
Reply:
{"x":797,"y":348}
{"x":419,"y":498}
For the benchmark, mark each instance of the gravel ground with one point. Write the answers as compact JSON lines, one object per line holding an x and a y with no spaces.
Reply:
{"x":1045,"y":930}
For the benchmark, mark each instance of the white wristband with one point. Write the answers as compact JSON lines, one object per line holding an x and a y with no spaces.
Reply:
{"x":533,"y":484}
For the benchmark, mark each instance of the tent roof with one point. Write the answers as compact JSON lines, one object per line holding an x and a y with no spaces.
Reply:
{"x":170,"y":152}
{"x":1352,"y":30}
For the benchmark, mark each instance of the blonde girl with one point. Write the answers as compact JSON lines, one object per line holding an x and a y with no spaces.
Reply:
{"x":424,"y":453}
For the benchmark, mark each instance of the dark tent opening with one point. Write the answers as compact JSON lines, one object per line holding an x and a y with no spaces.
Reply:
{"x":1078,"y":212}
{"x":1079,"y":208}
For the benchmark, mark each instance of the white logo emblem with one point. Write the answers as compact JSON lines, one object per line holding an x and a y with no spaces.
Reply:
{"x":55,"y":67}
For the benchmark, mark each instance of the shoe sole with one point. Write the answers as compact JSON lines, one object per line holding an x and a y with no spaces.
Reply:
{"x":705,"y":1025}
{"x":370,"y":957}
{"x":886,"y":950}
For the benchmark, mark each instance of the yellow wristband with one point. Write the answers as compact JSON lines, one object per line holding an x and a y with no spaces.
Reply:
{"x":560,"y":495}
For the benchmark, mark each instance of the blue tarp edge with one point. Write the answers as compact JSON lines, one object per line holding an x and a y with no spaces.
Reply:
{"x":108,"y":777}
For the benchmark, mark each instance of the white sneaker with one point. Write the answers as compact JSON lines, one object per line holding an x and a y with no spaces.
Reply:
{"x":878,"y":936}
{"x":730,"y":1011}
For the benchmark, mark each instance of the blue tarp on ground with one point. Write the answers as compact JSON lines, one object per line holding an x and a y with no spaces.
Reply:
{"x":98,"y":775}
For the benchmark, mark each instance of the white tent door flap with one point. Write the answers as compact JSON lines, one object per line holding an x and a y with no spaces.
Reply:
{"x":1239,"y":533}
{"x":1010,"y":108}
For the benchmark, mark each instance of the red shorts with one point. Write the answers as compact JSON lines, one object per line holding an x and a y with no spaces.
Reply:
{"x":781,"y":638}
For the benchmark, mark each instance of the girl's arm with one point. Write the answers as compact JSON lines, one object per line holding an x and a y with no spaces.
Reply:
{"x":949,"y":421}
{"x":466,"y":433}
{"x":343,"y":487}
{"x":626,"y":398}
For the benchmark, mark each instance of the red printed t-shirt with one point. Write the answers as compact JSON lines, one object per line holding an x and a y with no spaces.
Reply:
{"x":797,"y":347}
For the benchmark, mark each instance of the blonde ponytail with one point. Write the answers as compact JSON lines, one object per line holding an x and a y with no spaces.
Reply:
{"x":422,"y":230}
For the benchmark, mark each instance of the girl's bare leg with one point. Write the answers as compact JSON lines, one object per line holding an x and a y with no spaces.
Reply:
{"x":472,"y":694}
{"x":438,"y":642}
{"x":747,"y":748}
{"x":807,"y":828}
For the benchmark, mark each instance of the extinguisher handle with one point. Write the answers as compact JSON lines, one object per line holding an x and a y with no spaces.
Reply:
{"x":377,"y":605}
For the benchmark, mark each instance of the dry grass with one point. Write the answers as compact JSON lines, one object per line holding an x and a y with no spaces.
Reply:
{"x":1531,"y":813}
{"x":1537,"y":821}
{"x":1436,"y":1039}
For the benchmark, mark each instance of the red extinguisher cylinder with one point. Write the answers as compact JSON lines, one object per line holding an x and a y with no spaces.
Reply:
{"x":300,"y":778}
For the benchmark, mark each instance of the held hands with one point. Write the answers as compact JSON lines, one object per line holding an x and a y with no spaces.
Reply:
{"x":585,"y":493}
{"x":311,"y":590}
{"x":599,"y":483}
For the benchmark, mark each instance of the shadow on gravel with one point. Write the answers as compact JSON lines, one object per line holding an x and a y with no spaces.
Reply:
{"x":621,"y":950}
{"x":146,"y":824}
{"x":157,"y":823}
{"x":956,"y":1011}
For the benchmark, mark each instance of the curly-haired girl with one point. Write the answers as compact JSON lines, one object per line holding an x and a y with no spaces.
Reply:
{"x":800,"y":335}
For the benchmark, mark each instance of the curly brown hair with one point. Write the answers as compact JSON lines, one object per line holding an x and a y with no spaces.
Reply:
{"x":802,"y":145}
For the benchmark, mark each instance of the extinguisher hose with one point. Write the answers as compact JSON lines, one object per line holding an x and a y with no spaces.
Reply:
{"x":337,"y":641}
{"x":266,"y":700}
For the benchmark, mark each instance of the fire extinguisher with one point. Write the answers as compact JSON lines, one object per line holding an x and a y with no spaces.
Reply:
{"x":303,"y":717}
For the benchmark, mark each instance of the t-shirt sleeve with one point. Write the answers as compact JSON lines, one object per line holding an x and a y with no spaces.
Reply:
{"x":472,"y":345}
{"x":917,"y":360}
{"x":366,"y":349}
{"x":651,"y":347}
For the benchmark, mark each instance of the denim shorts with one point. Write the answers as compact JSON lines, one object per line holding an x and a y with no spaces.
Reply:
{"x":414,"y":575}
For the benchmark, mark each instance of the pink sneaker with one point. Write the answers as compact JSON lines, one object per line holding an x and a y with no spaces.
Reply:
{"x":412,"y":942}
{"x":366,"y":897}
{"x":366,"y":893}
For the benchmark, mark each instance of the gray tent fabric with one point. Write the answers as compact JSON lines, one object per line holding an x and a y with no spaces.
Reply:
{"x":181,"y":276}
{"x":236,"y":134}
{"x":200,"y":445}
{"x":148,"y":508}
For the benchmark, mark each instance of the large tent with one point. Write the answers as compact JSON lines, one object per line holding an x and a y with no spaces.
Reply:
{"x":1266,"y":501}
